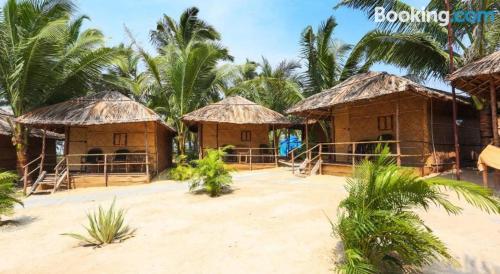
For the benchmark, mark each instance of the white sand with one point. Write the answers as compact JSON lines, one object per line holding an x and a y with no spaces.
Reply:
{"x":272,"y":223}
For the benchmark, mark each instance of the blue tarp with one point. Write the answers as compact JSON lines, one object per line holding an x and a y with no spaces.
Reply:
{"x":288,"y":144}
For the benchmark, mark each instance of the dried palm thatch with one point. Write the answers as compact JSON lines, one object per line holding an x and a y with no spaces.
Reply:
{"x":236,"y":110}
{"x":360,"y":87}
{"x":476,"y":77}
{"x":108,"y":107}
{"x":7,"y":118}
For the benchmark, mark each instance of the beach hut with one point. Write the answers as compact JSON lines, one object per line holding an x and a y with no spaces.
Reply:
{"x":242,"y":124}
{"x":8,"y":157}
{"x":482,"y":79}
{"x":377,"y":107}
{"x":109,"y":139}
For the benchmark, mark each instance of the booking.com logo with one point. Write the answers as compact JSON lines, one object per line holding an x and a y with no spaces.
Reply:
{"x":440,"y":17}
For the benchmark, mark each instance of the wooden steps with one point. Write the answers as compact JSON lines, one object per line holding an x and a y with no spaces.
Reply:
{"x":47,"y":183}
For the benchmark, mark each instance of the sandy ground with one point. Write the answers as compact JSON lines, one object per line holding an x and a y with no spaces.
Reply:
{"x":273,"y":222}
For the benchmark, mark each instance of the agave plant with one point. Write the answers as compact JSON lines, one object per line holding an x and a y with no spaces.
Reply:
{"x":379,"y":229}
{"x":211,"y":173}
{"x":105,"y":227}
{"x":7,"y":191}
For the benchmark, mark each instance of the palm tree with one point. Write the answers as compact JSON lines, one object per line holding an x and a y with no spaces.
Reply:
{"x":7,"y":193}
{"x":391,"y":42}
{"x":276,"y":88}
{"x":379,"y":229}
{"x":328,"y":61}
{"x":189,"y":28}
{"x":45,"y":58}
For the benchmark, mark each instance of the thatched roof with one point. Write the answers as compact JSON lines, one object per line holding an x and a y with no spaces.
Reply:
{"x":236,"y":110}
{"x":108,"y":107}
{"x":475,"y":77}
{"x":360,"y":87}
{"x":6,"y":129}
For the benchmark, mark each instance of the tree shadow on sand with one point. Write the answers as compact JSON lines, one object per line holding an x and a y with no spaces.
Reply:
{"x":13,"y":224}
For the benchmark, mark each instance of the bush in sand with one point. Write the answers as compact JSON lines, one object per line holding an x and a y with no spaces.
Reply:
{"x":183,"y":171}
{"x":379,"y":230}
{"x":7,"y":194}
{"x":211,"y":174}
{"x":105,"y":227}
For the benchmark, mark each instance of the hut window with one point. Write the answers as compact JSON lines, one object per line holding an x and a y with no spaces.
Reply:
{"x":385,"y":122}
{"x":120,"y":139}
{"x":246,"y":136}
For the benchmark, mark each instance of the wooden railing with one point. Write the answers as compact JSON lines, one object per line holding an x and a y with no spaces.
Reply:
{"x":251,"y":156}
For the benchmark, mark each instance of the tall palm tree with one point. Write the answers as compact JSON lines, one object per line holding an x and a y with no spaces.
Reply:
{"x":428,"y":42}
{"x":45,"y":58}
{"x":276,"y":88}
{"x":328,"y":61}
{"x":379,"y":229}
{"x":189,"y":28}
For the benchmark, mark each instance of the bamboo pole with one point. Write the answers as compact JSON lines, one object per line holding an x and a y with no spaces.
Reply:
{"x":307,"y":138}
{"x":319,"y":159}
{"x":494,"y":111}
{"x":147,"y":150}
{"x":251,"y":166}
{"x":217,"y":135}
{"x":106,"y":169}
{"x":42,"y":159}
{"x":353,"y":157}
{"x":485,"y":175}
{"x":454,"y":96}
{"x":275,"y":148}
{"x":398,"y":141}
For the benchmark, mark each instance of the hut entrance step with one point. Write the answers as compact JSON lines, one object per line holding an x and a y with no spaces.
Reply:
{"x":49,"y":183}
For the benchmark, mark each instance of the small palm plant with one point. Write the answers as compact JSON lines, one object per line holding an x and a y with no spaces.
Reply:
{"x":105,"y":227}
{"x":378,"y":227}
{"x":7,"y":193}
{"x":183,"y":171}
{"x":211,"y":173}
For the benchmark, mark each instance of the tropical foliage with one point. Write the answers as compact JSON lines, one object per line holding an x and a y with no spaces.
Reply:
{"x":328,"y":60}
{"x":105,"y":227}
{"x":378,"y":225}
{"x":183,"y":171}
{"x":7,"y":193}
{"x":45,"y":57}
{"x":211,"y":173}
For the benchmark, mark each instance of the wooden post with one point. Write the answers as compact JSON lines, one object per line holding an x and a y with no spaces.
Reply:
{"x":251,"y":166}
{"x":293,"y":161}
{"x":275,"y":148}
{"x":333,"y":138}
{"x":25,"y":179}
{"x":319,"y":159}
{"x":307,"y":138}
{"x":398,"y":141}
{"x":147,"y":150}
{"x":200,"y":140}
{"x":353,"y":157}
{"x":42,"y":159}
{"x":494,"y":119}
{"x":67,"y":171}
{"x":106,"y":169}
{"x":485,"y":175}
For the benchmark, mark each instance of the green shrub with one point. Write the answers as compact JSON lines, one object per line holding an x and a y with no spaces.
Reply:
{"x":377,"y":224}
{"x":211,"y":174}
{"x":183,"y":171}
{"x":105,"y":227}
{"x":7,"y":193}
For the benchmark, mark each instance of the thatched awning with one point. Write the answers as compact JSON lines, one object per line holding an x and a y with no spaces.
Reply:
{"x":475,"y":78}
{"x":360,"y":87}
{"x":6,"y":129}
{"x":236,"y":110}
{"x":102,"y":108}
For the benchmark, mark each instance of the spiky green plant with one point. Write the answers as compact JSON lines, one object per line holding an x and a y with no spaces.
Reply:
{"x":211,"y":173}
{"x":7,"y":193}
{"x":105,"y":227}
{"x":379,"y":229}
{"x":183,"y":171}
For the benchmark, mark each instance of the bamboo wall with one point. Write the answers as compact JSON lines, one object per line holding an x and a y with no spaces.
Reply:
{"x":82,"y":139}
{"x":358,"y":122}
{"x":8,"y":155}
{"x":230,"y":134}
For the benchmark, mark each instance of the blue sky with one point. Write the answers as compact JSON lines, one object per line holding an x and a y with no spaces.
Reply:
{"x":249,"y":28}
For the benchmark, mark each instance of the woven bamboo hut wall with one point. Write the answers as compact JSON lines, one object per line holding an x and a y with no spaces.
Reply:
{"x":8,"y":152}
{"x":358,"y":106}
{"x":235,"y":121}
{"x":108,"y":121}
